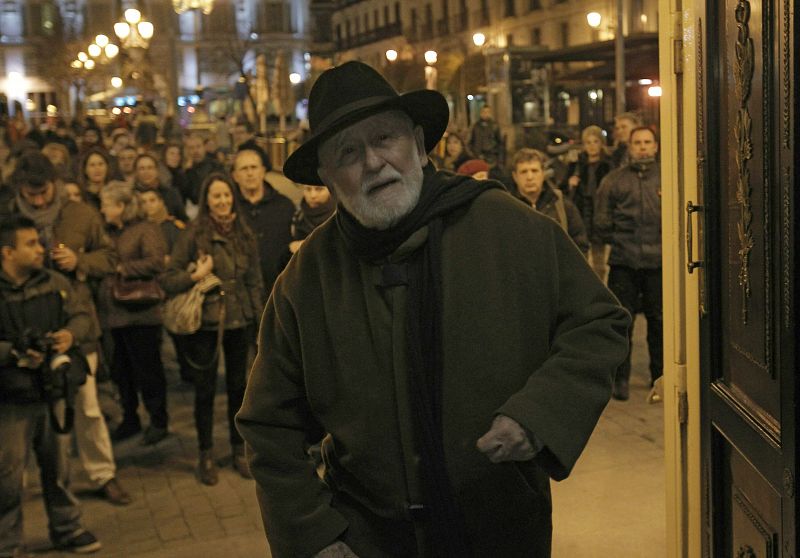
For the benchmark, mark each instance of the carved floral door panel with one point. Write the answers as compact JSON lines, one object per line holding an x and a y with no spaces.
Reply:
{"x":748,"y":148}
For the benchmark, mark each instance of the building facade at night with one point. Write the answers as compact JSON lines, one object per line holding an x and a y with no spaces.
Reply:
{"x":539,"y":65}
{"x":190,"y":52}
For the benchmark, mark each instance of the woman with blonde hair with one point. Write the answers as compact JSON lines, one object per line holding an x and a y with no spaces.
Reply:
{"x":135,"y":328}
{"x":58,"y":154}
{"x":583,"y":179}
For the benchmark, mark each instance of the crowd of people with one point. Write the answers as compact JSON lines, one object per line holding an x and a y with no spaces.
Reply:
{"x":90,"y":213}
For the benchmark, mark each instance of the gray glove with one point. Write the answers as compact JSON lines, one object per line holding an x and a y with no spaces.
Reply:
{"x":336,"y":550}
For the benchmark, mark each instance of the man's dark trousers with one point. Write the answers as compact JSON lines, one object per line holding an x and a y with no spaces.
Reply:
{"x":629,"y":285}
{"x":23,"y":426}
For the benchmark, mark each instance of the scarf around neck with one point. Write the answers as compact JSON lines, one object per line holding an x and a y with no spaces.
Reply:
{"x":159,"y":217}
{"x":45,"y":218}
{"x":442,"y":193}
{"x":223,"y":224}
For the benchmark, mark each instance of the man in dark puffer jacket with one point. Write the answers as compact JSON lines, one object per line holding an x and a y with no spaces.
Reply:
{"x":628,"y":216}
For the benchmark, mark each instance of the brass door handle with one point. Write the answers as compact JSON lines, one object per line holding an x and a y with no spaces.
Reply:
{"x":691,"y":264}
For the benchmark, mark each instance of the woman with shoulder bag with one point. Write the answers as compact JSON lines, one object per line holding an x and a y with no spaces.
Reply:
{"x":129,"y":305}
{"x":218,"y":242}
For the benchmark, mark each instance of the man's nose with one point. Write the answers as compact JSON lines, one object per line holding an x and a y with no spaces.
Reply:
{"x":372,"y":159}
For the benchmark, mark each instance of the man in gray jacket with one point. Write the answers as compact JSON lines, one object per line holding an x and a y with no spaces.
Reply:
{"x":628,"y":217}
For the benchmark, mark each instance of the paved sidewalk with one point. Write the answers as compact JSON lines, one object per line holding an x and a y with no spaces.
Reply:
{"x":612,"y":505}
{"x":172,"y":515}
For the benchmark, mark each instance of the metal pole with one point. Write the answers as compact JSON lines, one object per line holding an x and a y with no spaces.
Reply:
{"x":619,"y":60}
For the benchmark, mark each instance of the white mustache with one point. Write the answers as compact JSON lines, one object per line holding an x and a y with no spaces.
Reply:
{"x":380,"y":181}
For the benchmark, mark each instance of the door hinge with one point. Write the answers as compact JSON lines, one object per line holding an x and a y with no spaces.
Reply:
{"x":683,"y":408}
{"x":677,"y":56}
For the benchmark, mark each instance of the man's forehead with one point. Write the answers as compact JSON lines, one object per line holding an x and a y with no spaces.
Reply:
{"x":247,"y":157}
{"x":388,"y":119}
{"x":33,"y":189}
{"x":643,"y":135}
{"x":533,"y":164}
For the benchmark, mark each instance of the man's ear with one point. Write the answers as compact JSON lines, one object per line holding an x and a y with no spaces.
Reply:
{"x":6,"y":252}
{"x":419,"y":137}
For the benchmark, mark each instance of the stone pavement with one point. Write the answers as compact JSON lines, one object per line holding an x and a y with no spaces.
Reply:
{"x":612,"y":504}
{"x":172,"y":515}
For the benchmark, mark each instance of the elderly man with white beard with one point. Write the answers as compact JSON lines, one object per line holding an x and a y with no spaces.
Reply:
{"x":449,"y":347}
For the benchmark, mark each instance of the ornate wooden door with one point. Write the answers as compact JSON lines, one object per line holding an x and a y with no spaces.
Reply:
{"x":748,"y":150}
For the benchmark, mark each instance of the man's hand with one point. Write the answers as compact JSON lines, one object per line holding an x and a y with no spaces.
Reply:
{"x":336,"y":550}
{"x":31,"y":359}
{"x":62,"y":340}
{"x":573,"y":182}
{"x":506,"y":441}
{"x":65,"y":258}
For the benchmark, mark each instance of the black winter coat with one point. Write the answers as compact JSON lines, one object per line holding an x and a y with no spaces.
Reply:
{"x":583,"y":196}
{"x":628,"y":215}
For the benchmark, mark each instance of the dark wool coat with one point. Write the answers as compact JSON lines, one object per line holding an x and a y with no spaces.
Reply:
{"x":528,"y":331}
{"x":271,"y":220}
{"x":141,"y":250}
{"x":80,"y":227}
{"x":583,"y":196}
{"x":235,"y":264}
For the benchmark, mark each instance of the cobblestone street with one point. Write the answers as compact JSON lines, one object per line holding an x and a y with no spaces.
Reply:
{"x":612,"y":505}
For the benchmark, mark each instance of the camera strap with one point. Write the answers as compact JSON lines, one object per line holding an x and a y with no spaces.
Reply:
{"x":69,"y":408}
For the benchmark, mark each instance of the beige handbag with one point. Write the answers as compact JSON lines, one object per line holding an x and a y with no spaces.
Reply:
{"x":183,"y":313}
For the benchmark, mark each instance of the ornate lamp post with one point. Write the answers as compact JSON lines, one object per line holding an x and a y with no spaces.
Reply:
{"x":134,"y":32}
{"x":180,"y":6}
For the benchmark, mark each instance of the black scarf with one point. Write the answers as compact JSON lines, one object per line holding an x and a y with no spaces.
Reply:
{"x":442,"y":192}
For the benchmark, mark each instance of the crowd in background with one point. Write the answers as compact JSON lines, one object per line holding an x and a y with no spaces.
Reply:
{"x":120,"y":203}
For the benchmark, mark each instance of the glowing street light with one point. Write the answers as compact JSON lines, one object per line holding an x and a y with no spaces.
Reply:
{"x":391,"y":55}
{"x":94,"y":50}
{"x":89,"y":64}
{"x":594,"y":19}
{"x":654,"y":91}
{"x":111,"y":50}
{"x":83,"y":57}
{"x":295,"y":78}
{"x":116,"y":82}
{"x":431,"y":57}
{"x":101,"y":41}
{"x":479,"y":39}
{"x":132,"y":16}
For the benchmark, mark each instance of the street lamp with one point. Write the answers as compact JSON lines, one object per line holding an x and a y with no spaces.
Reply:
{"x":478,"y":39}
{"x":431,"y":73}
{"x":594,"y":19}
{"x":134,"y":32}
{"x":391,"y":55}
{"x":295,"y":78}
{"x":116,"y":82}
{"x":181,"y":6}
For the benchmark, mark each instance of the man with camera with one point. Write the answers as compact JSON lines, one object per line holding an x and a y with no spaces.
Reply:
{"x":77,"y":245}
{"x":41,"y":320}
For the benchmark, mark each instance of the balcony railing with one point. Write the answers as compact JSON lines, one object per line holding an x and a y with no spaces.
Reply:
{"x":479,"y":18}
{"x":371,"y":36}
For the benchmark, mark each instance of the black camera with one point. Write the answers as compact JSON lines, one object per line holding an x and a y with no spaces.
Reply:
{"x":57,"y":363}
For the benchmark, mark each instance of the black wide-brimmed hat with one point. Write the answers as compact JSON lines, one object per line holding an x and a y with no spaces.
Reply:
{"x":351,"y":92}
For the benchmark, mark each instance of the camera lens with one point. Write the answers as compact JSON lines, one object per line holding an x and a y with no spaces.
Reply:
{"x":60,"y":363}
